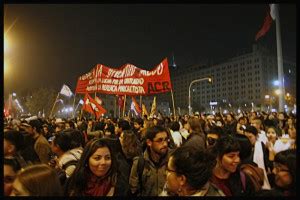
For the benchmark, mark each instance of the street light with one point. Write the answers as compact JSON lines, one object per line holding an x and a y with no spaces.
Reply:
{"x":194,"y":81}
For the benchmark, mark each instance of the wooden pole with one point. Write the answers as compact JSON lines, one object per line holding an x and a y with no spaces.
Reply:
{"x":124,"y":106}
{"x":54,"y":105}
{"x":173,"y":102}
{"x":141,"y":101}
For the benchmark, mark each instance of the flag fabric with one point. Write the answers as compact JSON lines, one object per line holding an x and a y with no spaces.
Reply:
{"x":153,"y":107}
{"x":65,"y":90}
{"x":90,"y":105}
{"x":121,"y":101}
{"x":98,"y":100}
{"x":144,"y":110}
{"x":135,"y":107}
{"x":267,"y":22}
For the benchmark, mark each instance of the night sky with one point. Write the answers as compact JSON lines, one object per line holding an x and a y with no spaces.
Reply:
{"x":52,"y":45}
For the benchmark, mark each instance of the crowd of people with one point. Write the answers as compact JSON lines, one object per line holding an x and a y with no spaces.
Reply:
{"x":248,"y":154}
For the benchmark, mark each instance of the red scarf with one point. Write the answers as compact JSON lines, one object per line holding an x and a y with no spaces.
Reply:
{"x":98,"y":186}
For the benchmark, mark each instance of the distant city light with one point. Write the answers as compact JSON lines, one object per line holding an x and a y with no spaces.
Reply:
{"x":290,"y":71}
{"x":267,"y":96}
{"x":278,"y":92}
{"x":14,"y":94}
{"x":81,"y":101}
{"x":276,"y":83}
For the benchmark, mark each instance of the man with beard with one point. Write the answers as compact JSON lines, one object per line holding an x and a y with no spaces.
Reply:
{"x":149,"y":179}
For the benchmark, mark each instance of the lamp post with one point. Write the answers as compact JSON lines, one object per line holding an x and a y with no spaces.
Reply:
{"x":209,"y":79}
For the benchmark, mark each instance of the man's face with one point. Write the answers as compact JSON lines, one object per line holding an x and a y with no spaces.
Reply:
{"x":136,"y":125}
{"x":159,"y":144}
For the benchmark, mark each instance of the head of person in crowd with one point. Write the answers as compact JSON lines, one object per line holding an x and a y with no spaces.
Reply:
{"x":257,"y":123}
{"x":243,"y":121}
{"x":175,"y":126}
{"x":138,"y":124}
{"x":292,"y":133}
{"x":213,"y":135}
{"x":272,"y":134}
{"x":282,"y":116}
{"x":155,"y":121}
{"x":109,"y":130}
{"x":13,"y":142}
{"x":46,"y":130}
{"x":252,"y":134}
{"x":62,"y":143}
{"x":285,"y":171}
{"x":10,"y":169}
{"x":130,"y":144}
{"x":246,"y":148}
{"x":37,"y":180}
{"x":90,"y":124}
{"x":157,"y":141}
{"x":227,"y":151}
{"x":148,"y":124}
{"x":97,"y":162}
{"x":122,"y":125}
{"x":59,"y":125}
{"x":195,"y":126}
{"x":229,"y":118}
{"x":219,"y":122}
{"x":70,"y":125}
{"x":189,"y":170}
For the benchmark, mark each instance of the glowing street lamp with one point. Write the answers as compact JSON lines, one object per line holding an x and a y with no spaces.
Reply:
{"x":277,"y":92}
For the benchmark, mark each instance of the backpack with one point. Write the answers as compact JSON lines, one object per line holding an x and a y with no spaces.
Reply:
{"x":255,"y":174}
{"x":140,"y":168}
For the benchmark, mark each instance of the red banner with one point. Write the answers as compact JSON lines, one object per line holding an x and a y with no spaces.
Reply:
{"x":127,"y":80}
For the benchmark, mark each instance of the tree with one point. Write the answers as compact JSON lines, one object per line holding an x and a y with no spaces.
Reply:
{"x":41,"y":100}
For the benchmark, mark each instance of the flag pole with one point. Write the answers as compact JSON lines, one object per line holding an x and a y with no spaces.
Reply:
{"x":173,"y":102}
{"x":115,"y":107}
{"x":74,"y":106}
{"x":124,"y":106}
{"x":54,"y":105}
{"x":140,"y":100}
{"x":279,"y":61}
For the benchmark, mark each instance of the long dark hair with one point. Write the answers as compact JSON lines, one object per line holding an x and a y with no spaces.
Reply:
{"x":77,"y":183}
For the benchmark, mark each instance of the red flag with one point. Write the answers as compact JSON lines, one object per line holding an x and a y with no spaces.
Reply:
{"x":135,"y":107}
{"x":90,"y":105}
{"x":98,"y":100}
{"x":266,"y":26}
{"x":121,"y":101}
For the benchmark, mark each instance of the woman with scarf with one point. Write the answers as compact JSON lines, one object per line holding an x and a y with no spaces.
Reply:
{"x":96,"y":173}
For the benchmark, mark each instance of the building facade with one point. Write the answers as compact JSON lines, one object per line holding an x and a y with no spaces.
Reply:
{"x":245,"y":81}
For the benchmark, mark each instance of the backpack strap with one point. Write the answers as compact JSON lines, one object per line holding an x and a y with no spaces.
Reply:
{"x":243,"y":179}
{"x":69,"y":163}
{"x":140,"y":169}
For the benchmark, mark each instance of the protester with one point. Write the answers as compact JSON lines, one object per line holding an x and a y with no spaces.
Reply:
{"x":260,"y":154}
{"x":10,"y":169}
{"x":188,"y":172}
{"x":96,"y":172}
{"x":150,"y":178}
{"x":37,"y":180}
{"x":177,"y":138}
{"x":226,"y":173}
{"x":285,"y":172}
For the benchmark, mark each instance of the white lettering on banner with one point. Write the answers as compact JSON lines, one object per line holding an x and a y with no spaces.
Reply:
{"x":131,"y":89}
{"x":134,"y":81}
{"x":106,"y":80}
{"x":126,"y":72}
{"x":159,"y":70}
{"x":109,"y":88}
{"x":91,"y":88}
{"x":85,"y":76}
{"x":115,"y":81}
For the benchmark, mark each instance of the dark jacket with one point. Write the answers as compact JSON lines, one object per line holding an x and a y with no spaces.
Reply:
{"x":196,"y":140}
{"x":236,"y":187}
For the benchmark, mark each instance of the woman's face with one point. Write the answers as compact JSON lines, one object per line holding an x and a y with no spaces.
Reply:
{"x":172,"y":178}
{"x":230,"y":161}
{"x":271,"y":134}
{"x":9,"y":177}
{"x":283,"y":178}
{"x":100,"y":162}
{"x":18,"y":189}
{"x":251,"y":137}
